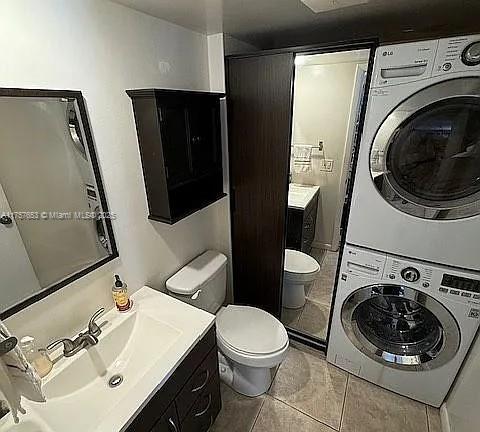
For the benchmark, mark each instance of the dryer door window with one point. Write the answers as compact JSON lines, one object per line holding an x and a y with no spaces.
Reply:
{"x":400,"y":327}
{"x":426,"y":159}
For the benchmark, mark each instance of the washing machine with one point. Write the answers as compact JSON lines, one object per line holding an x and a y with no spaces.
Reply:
{"x":417,"y":184}
{"x":403,"y":324}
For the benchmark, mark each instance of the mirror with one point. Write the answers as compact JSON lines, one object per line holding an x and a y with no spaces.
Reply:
{"x":54,"y":221}
{"x":328,"y":96}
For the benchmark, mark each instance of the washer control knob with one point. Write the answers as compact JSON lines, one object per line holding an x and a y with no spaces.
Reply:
{"x":410,"y":274}
{"x":471,"y":54}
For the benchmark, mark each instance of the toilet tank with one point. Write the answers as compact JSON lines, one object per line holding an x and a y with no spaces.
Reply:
{"x":202,"y":282}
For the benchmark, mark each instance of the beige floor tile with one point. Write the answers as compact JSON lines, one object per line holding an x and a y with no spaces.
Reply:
{"x":290,"y":317}
{"x":369,"y":408}
{"x":314,"y":319}
{"x":318,"y":254}
{"x":321,"y":291}
{"x":312,"y":386}
{"x":276,"y":416}
{"x":433,"y":416}
{"x":331,"y":259}
{"x":238,"y":412}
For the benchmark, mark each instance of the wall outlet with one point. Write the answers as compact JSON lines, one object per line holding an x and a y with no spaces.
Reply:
{"x":326,"y":165}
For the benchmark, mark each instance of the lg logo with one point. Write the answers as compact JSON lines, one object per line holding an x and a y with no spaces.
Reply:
{"x":387,"y":53}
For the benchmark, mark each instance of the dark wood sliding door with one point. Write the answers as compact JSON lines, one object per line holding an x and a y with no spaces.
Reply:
{"x":259,"y":123}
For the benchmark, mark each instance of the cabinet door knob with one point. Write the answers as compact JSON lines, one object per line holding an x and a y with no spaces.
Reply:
{"x":6,"y":220}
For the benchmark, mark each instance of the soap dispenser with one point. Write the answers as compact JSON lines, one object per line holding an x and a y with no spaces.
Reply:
{"x":38,"y":358}
{"x":120,"y":295}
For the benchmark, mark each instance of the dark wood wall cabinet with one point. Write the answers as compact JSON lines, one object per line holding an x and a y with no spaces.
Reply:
{"x":179,"y":135}
{"x":190,"y":400}
{"x":301,"y":226}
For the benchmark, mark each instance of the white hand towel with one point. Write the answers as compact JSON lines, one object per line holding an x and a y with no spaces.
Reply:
{"x":18,"y":378}
{"x":302,"y":158}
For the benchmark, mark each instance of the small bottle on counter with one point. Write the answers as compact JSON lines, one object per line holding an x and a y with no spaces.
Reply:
{"x":38,"y":358}
{"x":120,"y":295}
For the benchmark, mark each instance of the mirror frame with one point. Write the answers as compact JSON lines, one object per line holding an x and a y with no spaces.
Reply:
{"x":78,"y":97}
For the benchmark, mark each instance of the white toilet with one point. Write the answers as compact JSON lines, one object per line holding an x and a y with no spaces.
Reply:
{"x":300,"y":270}
{"x":251,"y":341}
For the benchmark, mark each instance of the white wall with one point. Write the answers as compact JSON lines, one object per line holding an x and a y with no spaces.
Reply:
{"x":462,"y":407}
{"x":102,"y":49}
{"x":322,"y":101}
{"x":216,"y":60}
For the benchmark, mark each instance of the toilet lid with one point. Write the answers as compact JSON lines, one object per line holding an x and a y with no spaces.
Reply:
{"x":299,"y":262}
{"x":251,"y":330}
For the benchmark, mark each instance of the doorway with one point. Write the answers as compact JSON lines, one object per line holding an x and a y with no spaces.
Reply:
{"x":328,"y":97}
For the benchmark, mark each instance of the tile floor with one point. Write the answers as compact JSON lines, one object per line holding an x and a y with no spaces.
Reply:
{"x":313,"y":317}
{"x":309,"y":395}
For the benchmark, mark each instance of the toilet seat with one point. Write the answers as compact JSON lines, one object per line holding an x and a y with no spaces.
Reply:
{"x":251,"y":336}
{"x":299,"y":266}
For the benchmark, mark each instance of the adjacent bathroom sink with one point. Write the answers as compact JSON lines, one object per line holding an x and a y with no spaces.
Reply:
{"x":299,"y":196}
{"x":103,"y":387}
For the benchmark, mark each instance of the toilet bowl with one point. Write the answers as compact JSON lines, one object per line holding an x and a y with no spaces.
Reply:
{"x":300,"y":270}
{"x":251,"y":342}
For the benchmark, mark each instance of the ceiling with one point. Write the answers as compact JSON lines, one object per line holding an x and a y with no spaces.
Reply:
{"x":280,"y":23}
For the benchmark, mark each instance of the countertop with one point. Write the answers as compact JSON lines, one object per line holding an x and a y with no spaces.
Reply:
{"x":192,"y":324}
{"x":299,"y":196}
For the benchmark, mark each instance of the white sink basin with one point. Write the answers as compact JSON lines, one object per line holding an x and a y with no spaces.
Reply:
{"x":144,"y":346}
{"x":128,"y":347}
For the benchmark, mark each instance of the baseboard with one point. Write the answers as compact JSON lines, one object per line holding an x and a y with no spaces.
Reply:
{"x":444,"y":418}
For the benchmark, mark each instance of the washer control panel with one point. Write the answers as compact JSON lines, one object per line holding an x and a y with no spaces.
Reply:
{"x":362,"y":267}
{"x":410,"y":274}
{"x":397,"y":270}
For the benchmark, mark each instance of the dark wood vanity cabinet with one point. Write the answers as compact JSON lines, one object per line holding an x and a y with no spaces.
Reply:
{"x":190,"y":400}
{"x":301,"y":226}
{"x":179,"y":135}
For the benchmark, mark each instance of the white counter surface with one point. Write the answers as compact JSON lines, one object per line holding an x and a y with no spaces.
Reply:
{"x":299,"y":196}
{"x":87,"y":408}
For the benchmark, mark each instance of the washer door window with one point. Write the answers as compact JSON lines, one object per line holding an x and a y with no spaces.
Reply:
{"x":425,"y":159}
{"x":400,"y":327}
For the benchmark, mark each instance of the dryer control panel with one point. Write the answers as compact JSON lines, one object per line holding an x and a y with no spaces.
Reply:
{"x":459,"y":54}
{"x":403,"y":63}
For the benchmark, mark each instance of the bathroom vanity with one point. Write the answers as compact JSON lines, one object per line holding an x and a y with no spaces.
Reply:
{"x":302,"y":216}
{"x":154,"y":369}
{"x":187,"y":402}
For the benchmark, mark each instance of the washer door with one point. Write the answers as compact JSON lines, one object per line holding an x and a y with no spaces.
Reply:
{"x":425,"y":159}
{"x":400,"y":327}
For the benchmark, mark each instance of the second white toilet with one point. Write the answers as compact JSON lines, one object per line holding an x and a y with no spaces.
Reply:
{"x":251,"y":342}
{"x":300,"y":270}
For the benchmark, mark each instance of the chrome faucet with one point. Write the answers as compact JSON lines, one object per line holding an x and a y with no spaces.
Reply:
{"x":83,"y":340}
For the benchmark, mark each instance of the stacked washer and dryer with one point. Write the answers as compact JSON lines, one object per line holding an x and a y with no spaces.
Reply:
{"x":407,"y":306}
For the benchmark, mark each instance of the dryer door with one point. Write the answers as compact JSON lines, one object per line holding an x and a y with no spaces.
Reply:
{"x":400,"y":327}
{"x":425,"y":158}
